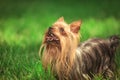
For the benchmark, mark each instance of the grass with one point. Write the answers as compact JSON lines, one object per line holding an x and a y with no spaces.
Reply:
{"x":23,"y":23}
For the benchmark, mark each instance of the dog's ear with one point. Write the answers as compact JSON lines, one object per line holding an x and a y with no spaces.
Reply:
{"x":75,"y":26}
{"x":61,"y":19}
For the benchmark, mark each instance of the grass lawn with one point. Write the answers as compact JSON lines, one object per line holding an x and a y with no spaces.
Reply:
{"x":23,"y":23}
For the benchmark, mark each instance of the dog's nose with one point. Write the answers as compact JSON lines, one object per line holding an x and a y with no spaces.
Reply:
{"x":50,"y":29}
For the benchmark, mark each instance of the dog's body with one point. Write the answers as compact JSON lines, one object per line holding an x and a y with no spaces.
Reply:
{"x":95,"y":56}
{"x":70,"y":60}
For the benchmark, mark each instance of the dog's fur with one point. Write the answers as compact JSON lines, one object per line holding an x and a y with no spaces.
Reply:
{"x":71,"y":60}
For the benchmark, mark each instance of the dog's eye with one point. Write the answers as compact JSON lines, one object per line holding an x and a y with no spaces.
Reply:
{"x":62,"y":31}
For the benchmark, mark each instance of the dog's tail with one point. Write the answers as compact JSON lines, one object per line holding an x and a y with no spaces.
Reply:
{"x":114,"y":42}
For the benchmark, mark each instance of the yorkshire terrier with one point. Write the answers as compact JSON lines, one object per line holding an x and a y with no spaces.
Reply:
{"x":71,"y":60}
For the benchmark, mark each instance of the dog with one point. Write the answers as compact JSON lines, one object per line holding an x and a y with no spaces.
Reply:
{"x":71,"y":60}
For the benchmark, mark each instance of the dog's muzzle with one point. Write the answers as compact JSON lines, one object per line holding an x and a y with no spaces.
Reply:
{"x":50,"y":36}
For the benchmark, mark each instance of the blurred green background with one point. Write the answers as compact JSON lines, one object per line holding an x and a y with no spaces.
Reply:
{"x":23,"y":23}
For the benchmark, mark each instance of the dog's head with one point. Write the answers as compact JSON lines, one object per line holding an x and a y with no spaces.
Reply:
{"x":60,"y":34}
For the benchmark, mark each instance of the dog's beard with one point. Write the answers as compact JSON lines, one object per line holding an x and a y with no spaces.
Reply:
{"x":52,"y":48}
{"x":56,"y":54}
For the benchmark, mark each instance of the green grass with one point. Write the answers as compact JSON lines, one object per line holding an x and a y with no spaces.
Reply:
{"x":23,"y":23}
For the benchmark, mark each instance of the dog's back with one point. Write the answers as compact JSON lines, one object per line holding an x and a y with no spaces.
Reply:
{"x":96,"y":56}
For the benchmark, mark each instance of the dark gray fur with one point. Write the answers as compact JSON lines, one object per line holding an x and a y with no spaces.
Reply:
{"x":95,"y":56}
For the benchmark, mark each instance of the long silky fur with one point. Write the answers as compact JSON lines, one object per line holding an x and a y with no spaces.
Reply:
{"x":61,"y":59}
{"x":91,"y":57}
{"x":70,"y":60}
{"x":95,"y":56}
